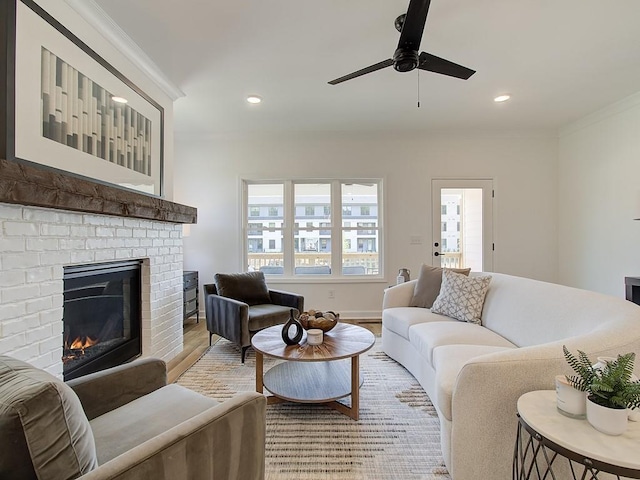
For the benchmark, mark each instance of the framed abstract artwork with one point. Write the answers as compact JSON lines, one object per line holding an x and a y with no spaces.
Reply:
{"x":68,"y":109}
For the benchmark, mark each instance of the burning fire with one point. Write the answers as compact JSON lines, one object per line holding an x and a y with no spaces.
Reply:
{"x":81,"y":343}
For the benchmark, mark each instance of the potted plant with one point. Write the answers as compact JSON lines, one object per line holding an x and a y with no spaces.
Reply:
{"x":610,"y":386}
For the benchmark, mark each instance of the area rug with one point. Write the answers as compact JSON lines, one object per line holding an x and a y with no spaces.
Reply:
{"x":397,"y":436}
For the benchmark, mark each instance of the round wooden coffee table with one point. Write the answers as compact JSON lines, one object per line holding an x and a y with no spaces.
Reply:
{"x":312,"y":373}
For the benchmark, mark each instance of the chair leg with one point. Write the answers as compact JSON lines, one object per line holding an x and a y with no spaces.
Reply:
{"x":244,"y":352}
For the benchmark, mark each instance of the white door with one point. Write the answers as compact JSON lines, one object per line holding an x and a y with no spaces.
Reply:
{"x":463,"y":224}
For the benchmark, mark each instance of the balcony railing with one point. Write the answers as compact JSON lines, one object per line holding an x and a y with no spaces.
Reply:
{"x":370,"y":261}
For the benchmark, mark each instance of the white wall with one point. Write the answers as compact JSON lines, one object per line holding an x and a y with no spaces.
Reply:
{"x":523,"y":167}
{"x":599,"y":196}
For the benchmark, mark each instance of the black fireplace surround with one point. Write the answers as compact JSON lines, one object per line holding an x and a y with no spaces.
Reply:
{"x":101,"y":320}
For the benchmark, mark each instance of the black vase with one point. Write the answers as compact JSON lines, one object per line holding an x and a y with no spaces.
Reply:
{"x":286,"y":330}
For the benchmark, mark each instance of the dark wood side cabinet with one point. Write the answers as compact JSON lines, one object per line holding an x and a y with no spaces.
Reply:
{"x":191,"y":303}
{"x":632,"y":289}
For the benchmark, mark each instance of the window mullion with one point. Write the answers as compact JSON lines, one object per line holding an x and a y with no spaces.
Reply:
{"x":336,"y":228}
{"x":288,"y":231}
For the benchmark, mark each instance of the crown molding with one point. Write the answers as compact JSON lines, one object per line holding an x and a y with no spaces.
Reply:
{"x":614,"y":109}
{"x":103,"y":23}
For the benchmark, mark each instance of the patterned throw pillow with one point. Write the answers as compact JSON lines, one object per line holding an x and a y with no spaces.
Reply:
{"x":427,"y":287}
{"x":461,"y":297}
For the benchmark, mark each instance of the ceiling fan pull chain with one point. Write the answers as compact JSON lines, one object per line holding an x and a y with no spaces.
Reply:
{"x":418,"y":88}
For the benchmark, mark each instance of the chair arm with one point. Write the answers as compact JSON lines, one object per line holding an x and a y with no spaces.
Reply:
{"x":103,"y":391}
{"x":287,"y":299}
{"x":398,"y":295}
{"x":228,"y":318}
{"x":226,"y":442}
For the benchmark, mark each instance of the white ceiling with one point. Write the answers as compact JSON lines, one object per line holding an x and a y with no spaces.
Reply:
{"x":559,"y":59}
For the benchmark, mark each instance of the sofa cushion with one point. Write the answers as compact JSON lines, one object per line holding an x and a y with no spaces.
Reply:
{"x":247,"y":287}
{"x":400,"y":319}
{"x":425,"y":337}
{"x":427,"y":287}
{"x":263,"y":316}
{"x":462,"y":297}
{"x":49,"y":415}
{"x":128,"y":426}
{"x":448,"y":360}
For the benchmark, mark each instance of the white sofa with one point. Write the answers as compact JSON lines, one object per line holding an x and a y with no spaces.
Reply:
{"x":475,"y":374}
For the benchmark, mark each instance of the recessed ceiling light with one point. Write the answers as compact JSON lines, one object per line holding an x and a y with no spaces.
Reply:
{"x":119,"y":99}
{"x":502,"y":98}
{"x":254,"y":99}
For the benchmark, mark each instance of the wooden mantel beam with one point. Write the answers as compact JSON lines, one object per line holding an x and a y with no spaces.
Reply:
{"x":23,"y":184}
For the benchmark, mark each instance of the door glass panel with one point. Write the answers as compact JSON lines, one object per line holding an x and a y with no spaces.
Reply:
{"x":461,"y":228}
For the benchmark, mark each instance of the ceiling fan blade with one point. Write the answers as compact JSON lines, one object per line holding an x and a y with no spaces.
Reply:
{"x":364,"y":71}
{"x":435,"y":64}
{"x":413,"y":27}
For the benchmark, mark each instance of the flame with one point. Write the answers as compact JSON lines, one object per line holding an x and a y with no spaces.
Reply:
{"x":81,"y":343}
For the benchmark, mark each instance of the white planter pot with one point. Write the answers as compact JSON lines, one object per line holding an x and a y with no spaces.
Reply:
{"x":612,"y":421}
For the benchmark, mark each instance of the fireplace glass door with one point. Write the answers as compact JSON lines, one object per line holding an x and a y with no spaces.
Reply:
{"x":101,"y":316}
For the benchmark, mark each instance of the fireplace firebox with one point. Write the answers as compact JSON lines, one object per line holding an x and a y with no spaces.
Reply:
{"x":101,"y":319}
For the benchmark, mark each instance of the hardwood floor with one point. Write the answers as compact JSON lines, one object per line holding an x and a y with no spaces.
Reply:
{"x":196,"y":342}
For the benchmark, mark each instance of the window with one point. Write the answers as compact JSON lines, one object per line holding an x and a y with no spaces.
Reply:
{"x":254,"y":229}
{"x":458,"y":209}
{"x":458,"y":227}
{"x":325,"y":231}
{"x":444,"y":226}
{"x":443,"y":209}
{"x":300,"y":239}
{"x":366,"y":232}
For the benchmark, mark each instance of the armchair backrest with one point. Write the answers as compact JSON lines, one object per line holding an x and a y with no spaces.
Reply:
{"x":248,"y":287}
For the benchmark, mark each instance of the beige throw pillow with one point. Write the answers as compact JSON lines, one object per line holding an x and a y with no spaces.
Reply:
{"x":49,"y":414}
{"x":462,"y":297}
{"x":428,"y":285}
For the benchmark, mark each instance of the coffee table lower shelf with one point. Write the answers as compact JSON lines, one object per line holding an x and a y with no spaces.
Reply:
{"x":315,"y":382}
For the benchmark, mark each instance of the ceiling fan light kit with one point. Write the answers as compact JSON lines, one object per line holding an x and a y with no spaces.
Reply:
{"x":406,"y":57}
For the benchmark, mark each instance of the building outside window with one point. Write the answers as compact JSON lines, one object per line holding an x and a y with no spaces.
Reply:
{"x":294,"y":240}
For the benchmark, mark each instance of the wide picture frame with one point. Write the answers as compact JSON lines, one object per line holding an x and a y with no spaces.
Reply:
{"x":69,"y":110}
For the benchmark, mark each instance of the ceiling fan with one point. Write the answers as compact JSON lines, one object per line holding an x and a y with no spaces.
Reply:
{"x":406,"y":57}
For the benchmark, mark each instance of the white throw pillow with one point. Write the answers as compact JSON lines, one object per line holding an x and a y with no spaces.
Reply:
{"x":461,"y":297}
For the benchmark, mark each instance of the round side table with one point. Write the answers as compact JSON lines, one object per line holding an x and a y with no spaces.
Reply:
{"x":545,"y":436}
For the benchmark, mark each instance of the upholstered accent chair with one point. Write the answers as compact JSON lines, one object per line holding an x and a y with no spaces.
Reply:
{"x":124,"y":423}
{"x":238,"y":305}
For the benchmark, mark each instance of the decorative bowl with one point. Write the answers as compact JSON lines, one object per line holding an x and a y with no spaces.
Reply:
{"x":325,"y":321}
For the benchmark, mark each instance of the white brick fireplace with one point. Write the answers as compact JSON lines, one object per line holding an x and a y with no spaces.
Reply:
{"x":37,"y":243}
